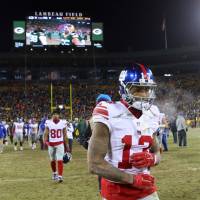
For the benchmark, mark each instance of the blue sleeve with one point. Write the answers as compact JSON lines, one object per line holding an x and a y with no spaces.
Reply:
{"x":4,"y":131}
{"x":42,"y":126}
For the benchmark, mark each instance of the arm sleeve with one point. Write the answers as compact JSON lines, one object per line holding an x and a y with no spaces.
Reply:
{"x":4,"y":132}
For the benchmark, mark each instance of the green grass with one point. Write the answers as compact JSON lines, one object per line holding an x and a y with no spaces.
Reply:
{"x":26,"y":175}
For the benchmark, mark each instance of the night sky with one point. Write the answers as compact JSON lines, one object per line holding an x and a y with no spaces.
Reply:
{"x":129,"y":25}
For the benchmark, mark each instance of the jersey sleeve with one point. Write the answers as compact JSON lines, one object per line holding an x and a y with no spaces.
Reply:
{"x":64,"y":122}
{"x":47,"y":123}
{"x":101,"y":114}
{"x":64,"y":125}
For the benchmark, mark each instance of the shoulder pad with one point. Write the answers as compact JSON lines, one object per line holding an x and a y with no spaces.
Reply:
{"x":101,"y":109}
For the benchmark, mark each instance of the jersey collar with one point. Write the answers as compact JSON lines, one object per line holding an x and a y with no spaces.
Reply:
{"x":56,"y":121}
{"x":137,"y":113}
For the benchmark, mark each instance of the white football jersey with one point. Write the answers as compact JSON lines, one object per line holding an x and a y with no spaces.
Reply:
{"x":34,"y":128}
{"x":55,"y":130}
{"x":18,"y":127}
{"x":153,"y":117}
{"x":128,"y":134}
{"x":70,"y":130}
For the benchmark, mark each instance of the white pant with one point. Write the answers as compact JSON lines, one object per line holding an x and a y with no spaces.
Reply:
{"x":56,"y":152}
{"x":153,"y":196}
{"x":18,"y":137}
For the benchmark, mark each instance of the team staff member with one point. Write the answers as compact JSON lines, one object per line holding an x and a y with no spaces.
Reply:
{"x":182,"y":130}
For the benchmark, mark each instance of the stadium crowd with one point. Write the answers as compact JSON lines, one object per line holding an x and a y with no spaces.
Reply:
{"x":30,"y":102}
{"x":33,"y":99}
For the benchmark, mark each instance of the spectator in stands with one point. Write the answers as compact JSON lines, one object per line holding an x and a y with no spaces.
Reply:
{"x":35,"y":100}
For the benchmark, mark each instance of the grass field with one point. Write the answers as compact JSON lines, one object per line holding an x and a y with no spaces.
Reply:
{"x":26,"y":175}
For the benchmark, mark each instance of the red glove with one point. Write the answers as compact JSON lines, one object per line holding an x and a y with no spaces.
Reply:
{"x":142,"y":159}
{"x":143,"y":181}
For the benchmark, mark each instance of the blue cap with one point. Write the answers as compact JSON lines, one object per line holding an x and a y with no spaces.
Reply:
{"x":103,"y":97}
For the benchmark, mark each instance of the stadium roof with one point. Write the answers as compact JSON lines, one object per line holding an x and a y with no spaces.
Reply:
{"x":90,"y":58}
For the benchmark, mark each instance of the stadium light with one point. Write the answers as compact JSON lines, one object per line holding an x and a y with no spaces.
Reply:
{"x":61,"y":106}
{"x":45,"y":49}
{"x":31,"y":49}
{"x":168,"y":75}
{"x":61,"y":51}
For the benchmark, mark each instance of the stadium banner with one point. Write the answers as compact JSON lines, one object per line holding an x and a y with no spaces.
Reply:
{"x":97,"y":31}
{"x":19,"y":30}
{"x":58,"y":14}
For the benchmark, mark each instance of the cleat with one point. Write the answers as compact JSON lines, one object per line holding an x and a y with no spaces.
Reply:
{"x":34,"y":146}
{"x":55,"y":176}
{"x":21,"y":148}
{"x":15,"y":148}
{"x":60,"y":179}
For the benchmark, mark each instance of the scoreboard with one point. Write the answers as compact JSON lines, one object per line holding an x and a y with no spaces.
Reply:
{"x":57,"y":31}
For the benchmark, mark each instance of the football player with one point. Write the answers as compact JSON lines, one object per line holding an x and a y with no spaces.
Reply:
{"x":41,"y":132}
{"x":6,"y":125}
{"x":123,"y":146}
{"x":70,"y":130}
{"x":2,"y":136}
{"x":18,"y":129}
{"x":55,"y":137}
{"x":27,"y":136}
{"x":70,"y":36}
{"x":33,"y":133}
{"x":38,"y":37}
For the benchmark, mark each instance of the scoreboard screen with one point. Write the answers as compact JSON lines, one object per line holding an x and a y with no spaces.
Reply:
{"x":58,"y":31}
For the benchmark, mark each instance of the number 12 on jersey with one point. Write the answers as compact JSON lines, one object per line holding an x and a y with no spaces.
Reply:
{"x":127,"y":141}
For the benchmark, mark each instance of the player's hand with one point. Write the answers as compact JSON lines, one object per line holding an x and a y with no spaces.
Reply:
{"x":143,"y":181}
{"x":66,"y":147}
{"x":46,"y":142}
{"x":142,"y":159}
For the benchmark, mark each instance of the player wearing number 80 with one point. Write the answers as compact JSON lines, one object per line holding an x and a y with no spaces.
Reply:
{"x":55,"y":137}
{"x":123,"y":145}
